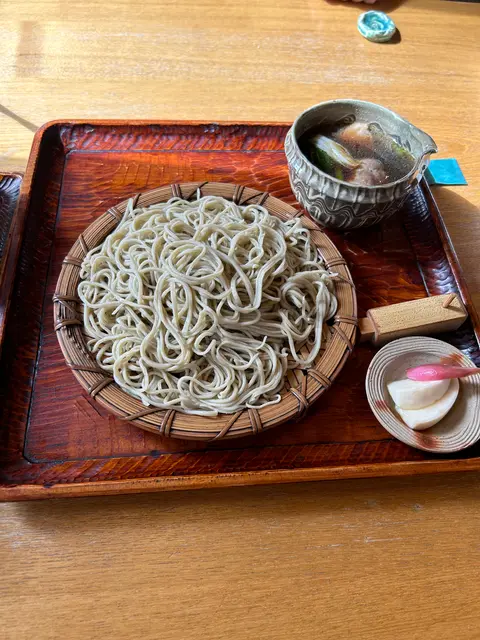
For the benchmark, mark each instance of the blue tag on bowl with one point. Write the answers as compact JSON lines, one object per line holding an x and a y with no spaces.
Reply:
{"x":444,"y":171}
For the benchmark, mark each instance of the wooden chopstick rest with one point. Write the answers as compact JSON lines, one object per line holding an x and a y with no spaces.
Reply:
{"x":426,"y":316}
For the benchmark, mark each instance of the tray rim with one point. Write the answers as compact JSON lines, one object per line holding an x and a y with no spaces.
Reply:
{"x":15,"y":493}
{"x":6,"y":258}
{"x":30,"y":491}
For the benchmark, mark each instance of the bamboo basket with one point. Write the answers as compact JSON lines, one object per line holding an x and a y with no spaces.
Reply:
{"x":302,"y":386}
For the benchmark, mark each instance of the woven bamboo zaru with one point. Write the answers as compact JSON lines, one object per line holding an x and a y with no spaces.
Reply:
{"x":302,"y":386}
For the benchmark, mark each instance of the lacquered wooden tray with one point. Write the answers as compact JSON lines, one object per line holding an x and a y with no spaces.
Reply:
{"x":56,"y":442}
{"x":9,"y":192}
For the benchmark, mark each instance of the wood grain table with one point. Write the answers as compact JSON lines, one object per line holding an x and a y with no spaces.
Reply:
{"x":372,"y":559}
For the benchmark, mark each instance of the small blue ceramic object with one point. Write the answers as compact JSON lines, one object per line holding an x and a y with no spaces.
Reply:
{"x":376,"y":26}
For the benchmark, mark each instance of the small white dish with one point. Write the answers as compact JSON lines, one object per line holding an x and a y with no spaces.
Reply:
{"x":459,"y":429}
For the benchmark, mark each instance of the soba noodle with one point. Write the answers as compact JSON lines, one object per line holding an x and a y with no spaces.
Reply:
{"x":202,"y":306}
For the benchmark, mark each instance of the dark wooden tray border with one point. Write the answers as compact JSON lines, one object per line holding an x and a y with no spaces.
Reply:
{"x":10,"y":184}
{"x":26,"y":491}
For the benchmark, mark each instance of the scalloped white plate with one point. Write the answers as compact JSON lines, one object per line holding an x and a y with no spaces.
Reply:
{"x":459,"y":429}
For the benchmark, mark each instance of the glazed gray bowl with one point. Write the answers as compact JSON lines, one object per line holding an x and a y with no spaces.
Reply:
{"x":338,"y":204}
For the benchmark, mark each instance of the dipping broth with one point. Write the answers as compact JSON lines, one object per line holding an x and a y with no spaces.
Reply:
{"x":358,"y":153}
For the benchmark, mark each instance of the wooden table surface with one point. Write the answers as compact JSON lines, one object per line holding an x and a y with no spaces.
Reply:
{"x":371,"y":559}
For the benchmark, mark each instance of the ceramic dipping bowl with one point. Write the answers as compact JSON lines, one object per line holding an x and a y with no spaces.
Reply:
{"x":343,"y":205}
{"x":459,"y":429}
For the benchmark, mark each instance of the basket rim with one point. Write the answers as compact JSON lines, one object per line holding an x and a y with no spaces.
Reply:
{"x":302,"y":386}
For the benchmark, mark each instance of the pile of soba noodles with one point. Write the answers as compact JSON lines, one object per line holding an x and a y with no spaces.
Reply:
{"x":202,"y":306}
